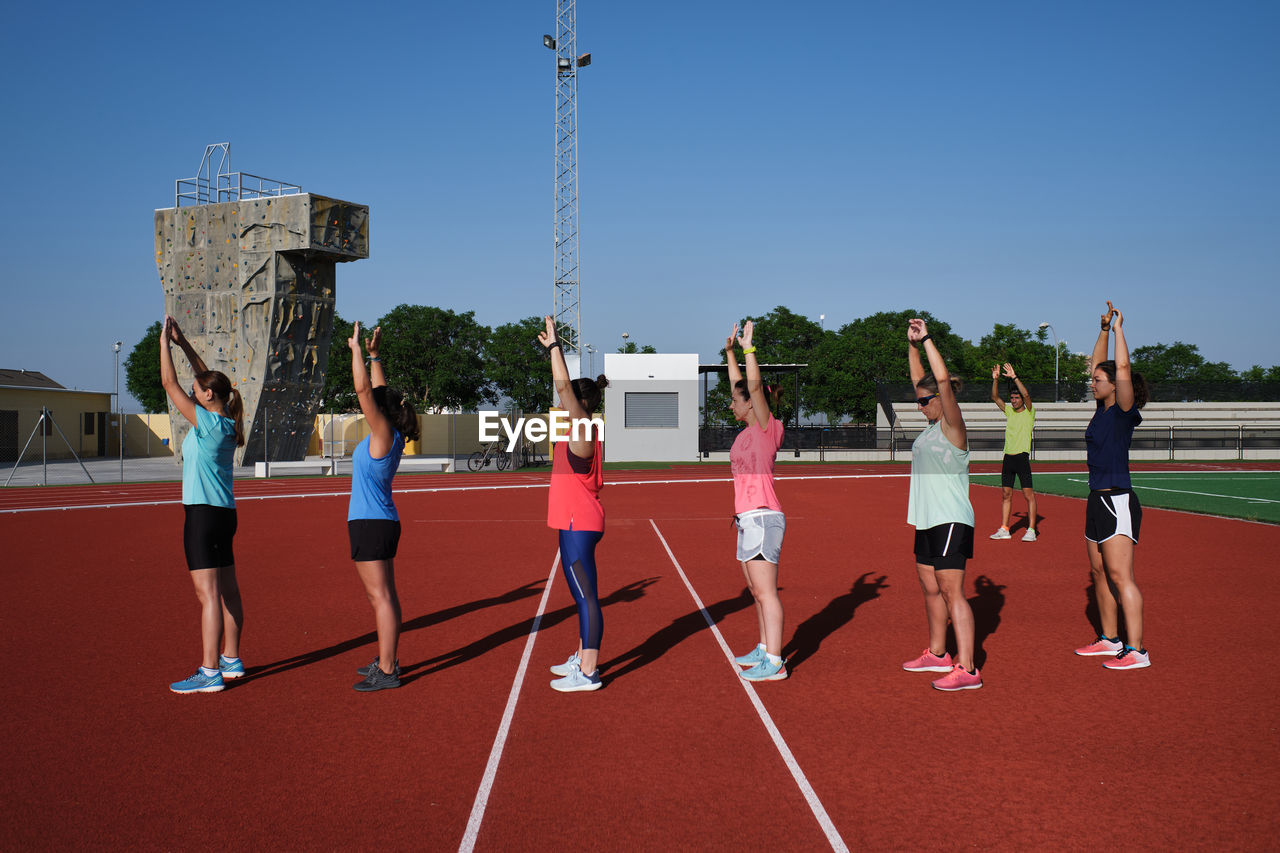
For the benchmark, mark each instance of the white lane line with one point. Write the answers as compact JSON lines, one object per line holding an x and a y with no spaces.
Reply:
{"x":1146,"y":488}
{"x":811,"y":797}
{"x":495,"y":754}
{"x":347,"y":493}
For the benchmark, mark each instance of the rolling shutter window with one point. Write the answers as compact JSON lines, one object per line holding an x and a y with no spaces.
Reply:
{"x":659,"y":409}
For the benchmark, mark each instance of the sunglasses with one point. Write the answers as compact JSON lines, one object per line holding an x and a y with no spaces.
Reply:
{"x":924,"y":401}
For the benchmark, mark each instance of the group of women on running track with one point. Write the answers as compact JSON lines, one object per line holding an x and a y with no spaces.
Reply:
{"x":938,"y":507}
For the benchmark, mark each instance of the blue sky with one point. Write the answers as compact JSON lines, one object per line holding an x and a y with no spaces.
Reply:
{"x":1007,"y":162}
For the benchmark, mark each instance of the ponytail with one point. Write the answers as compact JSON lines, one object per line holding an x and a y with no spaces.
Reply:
{"x":232,"y":403}
{"x":235,"y":410}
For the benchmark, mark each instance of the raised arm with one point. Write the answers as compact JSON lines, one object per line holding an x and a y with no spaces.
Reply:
{"x":952,"y":420}
{"x":1022,"y":389}
{"x":1100,"y":346}
{"x":731,"y":358}
{"x":181,"y":400}
{"x":755,"y":386}
{"x":197,"y":363}
{"x":995,"y":387}
{"x":914,"y":334}
{"x":377,"y":377}
{"x":1124,"y":372}
{"x":381,"y":436}
{"x":583,"y":448}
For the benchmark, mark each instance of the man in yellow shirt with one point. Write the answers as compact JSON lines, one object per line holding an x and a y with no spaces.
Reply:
{"x":1020,"y":418}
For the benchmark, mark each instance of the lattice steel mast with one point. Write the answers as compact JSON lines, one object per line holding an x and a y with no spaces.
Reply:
{"x":567,"y":315}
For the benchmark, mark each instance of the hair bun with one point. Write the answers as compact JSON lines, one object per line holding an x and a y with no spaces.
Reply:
{"x":602,"y":382}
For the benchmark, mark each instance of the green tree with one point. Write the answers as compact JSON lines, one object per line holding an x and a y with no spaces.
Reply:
{"x":1178,"y":362}
{"x":1030,"y":354}
{"x":781,"y":337}
{"x":339,"y":394}
{"x":142,"y":372}
{"x":631,"y":348}
{"x":516,"y":365}
{"x":848,"y":365}
{"x":427,"y":347}
{"x":1258,"y":373}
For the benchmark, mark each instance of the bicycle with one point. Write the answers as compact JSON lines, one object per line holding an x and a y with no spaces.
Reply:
{"x":530,"y":456}
{"x":479,"y":460}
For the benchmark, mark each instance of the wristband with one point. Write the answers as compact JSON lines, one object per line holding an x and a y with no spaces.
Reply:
{"x":748,"y":350}
{"x":374,"y":358}
{"x":925,"y":338}
{"x":553,"y":345}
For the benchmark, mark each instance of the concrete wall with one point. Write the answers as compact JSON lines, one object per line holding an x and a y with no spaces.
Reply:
{"x":252,"y":284}
{"x":648,"y":373}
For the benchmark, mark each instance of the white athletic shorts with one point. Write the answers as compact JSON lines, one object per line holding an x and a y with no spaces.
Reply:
{"x":760,"y":533}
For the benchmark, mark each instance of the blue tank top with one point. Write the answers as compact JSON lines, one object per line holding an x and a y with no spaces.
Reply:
{"x":1107,"y":439}
{"x":371,"y":482}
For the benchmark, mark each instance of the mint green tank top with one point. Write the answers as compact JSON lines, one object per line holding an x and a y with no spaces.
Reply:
{"x":939,"y":482}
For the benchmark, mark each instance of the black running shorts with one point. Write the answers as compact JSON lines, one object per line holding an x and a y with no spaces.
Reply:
{"x":373,"y":539}
{"x":1113,"y":513}
{"x":1016,"y":465}
{"x":946,"y":546}
{"x":207,"y":533}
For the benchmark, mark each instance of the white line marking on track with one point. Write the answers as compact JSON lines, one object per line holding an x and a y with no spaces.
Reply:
{"x":503,"y":487}
{"x":500,"y":740}
{"x":811,"y":797}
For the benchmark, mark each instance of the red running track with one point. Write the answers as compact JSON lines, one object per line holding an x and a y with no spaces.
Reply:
{"x":1054,"y":752}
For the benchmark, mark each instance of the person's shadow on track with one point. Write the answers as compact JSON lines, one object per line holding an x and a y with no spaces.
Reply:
{"x":810,"y":633}
{"x":424,"y":621}
{"x":986,"y":604}
{"x":671,"y":635}
{"x":631,"y":592}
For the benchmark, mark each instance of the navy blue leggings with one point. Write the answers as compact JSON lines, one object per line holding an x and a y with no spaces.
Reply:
{"x":578,"y":559}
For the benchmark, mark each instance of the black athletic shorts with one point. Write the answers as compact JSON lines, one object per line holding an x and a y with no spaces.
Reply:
{"x":206,"y":536}
{"x":946,"y":546}
{"x":1019,"y":465}
{"x":373,"y":539}
{"x":1113,"y":513}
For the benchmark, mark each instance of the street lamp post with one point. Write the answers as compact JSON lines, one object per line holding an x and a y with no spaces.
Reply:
{"x":119,"y":414}
{"x":624,"y":341}
{"x":591,"y":356}
{"x":1055,"y":359}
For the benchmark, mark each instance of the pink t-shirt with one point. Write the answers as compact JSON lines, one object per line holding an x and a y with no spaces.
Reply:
{"x":751,"y":461}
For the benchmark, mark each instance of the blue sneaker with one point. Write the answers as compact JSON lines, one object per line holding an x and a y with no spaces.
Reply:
{"x":199,"y":683}
{"x":230,"y":668}
{"x":562,"y":669}
{"x":765,"y":671}
{"x":576,"y":682}
{"x":751,"y":658}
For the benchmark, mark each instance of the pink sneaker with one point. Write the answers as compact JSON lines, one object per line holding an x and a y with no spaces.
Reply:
{"x":1101,"y":646}
{"x":929,"y":662}
{"x":958,"y":679}
{"x":1129,"y":659}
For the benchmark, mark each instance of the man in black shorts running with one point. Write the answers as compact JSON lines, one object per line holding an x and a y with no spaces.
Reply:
{"x":1020,"y":419}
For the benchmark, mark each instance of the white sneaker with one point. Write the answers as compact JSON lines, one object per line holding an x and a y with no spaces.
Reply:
{"x":1029,"y":536}
{"x":576,"y":682}
{"x":1002,"y":533}
{"x":562,"y":669}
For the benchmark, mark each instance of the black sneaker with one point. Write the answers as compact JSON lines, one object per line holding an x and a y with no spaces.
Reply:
{"x":379,"y":680}
{"x":364,"y":671}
